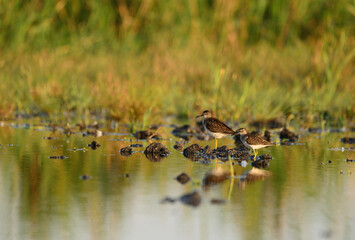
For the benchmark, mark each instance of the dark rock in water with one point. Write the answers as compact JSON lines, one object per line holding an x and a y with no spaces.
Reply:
{"x":157,"y":148}
{"x":192,"y":151}
{"x":350,"y":160}
{"x":137,"y":145}
{"x":223,"y":153}
{"x":270,"y":123}
{"x":49,"y":138}
{"x":232,"y":151}
{"x":58,"y":157}
{"x":265,"y":156}
{"x":193,"y":199}
{"x":261,"y":163}
{"x":94,"y":145}
{"x":267,"y":135}
{"x":348,"y":140}
{"x":147,"y":134}
{"x":156,"y":152}
{"x":183,"y":178}
{"x":241,"y":155}
{"x":214,"y":177}
{"x":184,"y":132}
{"x":287,"y":134}
{"x":85,"y":177}
{"x":330,"y":161}
{"x":178,"y":146}
{"x":126,"y":151}
{"x":218,"y":201}
{"x":207,"y":152}
{"x":126,"y":175}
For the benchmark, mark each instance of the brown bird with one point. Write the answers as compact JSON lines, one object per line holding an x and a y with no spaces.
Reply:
{"x":252,"y":141}
{"x":215,"y":127}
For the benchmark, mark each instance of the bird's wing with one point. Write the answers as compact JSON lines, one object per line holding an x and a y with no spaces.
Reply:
{"x":214,"y":125}
{"x":255,"y":140}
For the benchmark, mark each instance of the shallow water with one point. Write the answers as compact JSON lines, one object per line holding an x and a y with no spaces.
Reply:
{"x":307,"y":197}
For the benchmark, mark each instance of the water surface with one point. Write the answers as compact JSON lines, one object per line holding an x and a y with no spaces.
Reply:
{"x":310,"y":195}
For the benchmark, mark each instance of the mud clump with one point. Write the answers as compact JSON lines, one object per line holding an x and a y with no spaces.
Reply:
{"x":94,"y":145}
{"x":126,"y":151}
{"x":137,"y":145}
{"x":192,"y":151}
{"x":179,"y":145}
{"x":193,"y":199}
{"x":288,"y":135}
{"x":147,"y":134}
{"x":58,"y":157}
{"x":156,"y":152}
{"x":207,"y":152}
{"x":261,"y":163}
{"x":85,"y":177}
{"x":185,"y":132}
{"x":348,"y":140}
{"x":222,"y":153}
{"x":183,"y":178}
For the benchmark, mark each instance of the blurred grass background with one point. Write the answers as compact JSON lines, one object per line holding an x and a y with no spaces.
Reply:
{"x":135,"y":60}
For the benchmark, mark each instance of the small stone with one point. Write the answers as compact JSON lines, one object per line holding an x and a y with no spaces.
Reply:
{"x":126,"y":151}
{"x":85,"y":177}
{"x":137,"y":145}
{"x":94,"y":145}
{"x":183,"y":178}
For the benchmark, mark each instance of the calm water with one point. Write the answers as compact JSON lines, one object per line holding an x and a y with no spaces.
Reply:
{"x":306,"y":197}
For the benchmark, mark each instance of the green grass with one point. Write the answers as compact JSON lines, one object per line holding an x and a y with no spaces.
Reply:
{"x":138,"y":60}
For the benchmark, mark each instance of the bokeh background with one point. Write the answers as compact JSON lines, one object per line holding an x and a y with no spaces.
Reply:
{"x":137,"y":61}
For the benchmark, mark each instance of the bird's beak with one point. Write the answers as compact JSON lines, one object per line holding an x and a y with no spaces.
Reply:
{"x":199,"y":116}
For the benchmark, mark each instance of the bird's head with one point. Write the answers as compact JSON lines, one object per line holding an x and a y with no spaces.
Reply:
{"x":241,"y":131}
{"x":205,"y":114}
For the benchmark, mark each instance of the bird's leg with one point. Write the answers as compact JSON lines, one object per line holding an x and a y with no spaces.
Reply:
{"x":215,"y":141}
{"x":254,"y":154}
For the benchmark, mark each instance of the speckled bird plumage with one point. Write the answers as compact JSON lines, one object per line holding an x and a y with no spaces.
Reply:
{"x":215,"y":127}
{"x":252,"y":141}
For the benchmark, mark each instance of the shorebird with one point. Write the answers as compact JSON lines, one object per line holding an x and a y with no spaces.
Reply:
{"x":252,"y":141}
{"x":215,"y":127}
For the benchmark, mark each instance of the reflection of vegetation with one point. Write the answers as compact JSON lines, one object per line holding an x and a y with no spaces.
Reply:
{"x":246,"y":59}
{"x":50,"y":192}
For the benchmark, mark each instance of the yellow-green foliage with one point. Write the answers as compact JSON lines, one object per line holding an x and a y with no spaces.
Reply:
{"x":134,"y":59}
